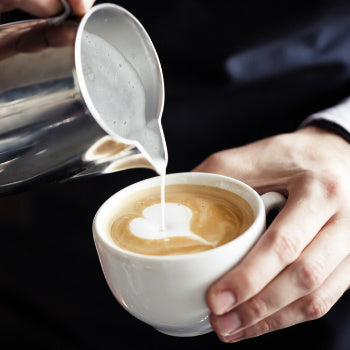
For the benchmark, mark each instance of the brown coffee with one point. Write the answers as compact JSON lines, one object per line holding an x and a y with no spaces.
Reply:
{"x":216,"y":216}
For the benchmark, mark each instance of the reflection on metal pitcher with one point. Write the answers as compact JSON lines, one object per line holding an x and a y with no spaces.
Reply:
{"x":47,"y":130}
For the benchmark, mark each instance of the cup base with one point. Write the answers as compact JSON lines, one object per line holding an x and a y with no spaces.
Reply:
{"x":185,"y":333}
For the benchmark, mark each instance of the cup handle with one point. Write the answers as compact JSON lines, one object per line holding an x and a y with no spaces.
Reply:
{"x":273,"y":200}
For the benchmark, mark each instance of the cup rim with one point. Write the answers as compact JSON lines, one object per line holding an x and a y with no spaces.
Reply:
{"x":255,"y":227}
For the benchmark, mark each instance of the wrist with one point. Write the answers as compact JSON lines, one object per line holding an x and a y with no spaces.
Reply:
{"x":331,"y":127}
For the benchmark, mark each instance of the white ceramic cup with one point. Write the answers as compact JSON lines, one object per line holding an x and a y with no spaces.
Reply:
{"x":168,"y":292}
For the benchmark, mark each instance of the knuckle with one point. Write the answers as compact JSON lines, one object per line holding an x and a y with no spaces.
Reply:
{"x":309,"y":275}
{"x":316,"y":306}
{"x":267,"y":325}
{"x":257,"y":309}
{"x":285,"y":246}
{"x":326,"y":185}
{"x":331,"y":182}
{"x":263,"y":327}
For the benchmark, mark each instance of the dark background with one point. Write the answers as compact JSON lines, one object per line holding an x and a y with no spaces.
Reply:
{"x":52,"y":291}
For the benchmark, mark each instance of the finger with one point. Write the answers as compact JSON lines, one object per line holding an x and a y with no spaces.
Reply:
{"x":40,"y":8}
{"x":6,"y":5}
{"x":80,"y":7}
{"x":47,"y":8}
{"x":306,"y":211}
{"x":310,"y":307}
{"x":305,"y":275}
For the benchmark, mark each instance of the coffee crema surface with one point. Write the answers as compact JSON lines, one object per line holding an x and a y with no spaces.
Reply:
{"x":197,"y":218}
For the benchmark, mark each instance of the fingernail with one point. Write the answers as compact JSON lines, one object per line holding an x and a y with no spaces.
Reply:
{"x":229,"y":323}
{"x":234,"y":337}
{"x":223,"y":302}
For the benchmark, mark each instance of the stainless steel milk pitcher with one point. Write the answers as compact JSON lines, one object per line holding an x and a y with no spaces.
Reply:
{"x":47,"y":132}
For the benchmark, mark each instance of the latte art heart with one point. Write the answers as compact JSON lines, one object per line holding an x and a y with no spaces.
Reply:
{"x":197,"y":218}
{"x":177,"y":223}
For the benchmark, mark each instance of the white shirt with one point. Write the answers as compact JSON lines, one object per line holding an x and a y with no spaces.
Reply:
{"x":338,"y":114}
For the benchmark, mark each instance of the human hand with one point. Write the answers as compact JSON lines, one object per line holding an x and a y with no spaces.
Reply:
{"x":45,"y":8}
{"x":32,"y":37}
{"x":300,"y":266}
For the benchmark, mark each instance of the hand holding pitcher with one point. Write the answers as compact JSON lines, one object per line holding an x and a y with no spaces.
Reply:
{"x":45,"y":8}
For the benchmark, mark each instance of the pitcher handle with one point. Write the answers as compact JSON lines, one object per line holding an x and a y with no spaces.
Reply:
{"x":59,"y":19}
